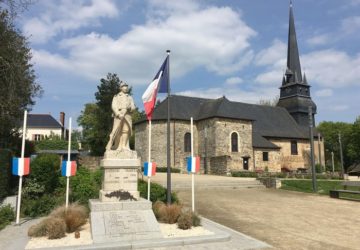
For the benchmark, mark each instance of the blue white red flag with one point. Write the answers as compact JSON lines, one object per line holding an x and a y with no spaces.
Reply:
{"x":158,"y":85}
{"x":193,"y":164}
{"x":149,"y":169}
{"x":20,"y":166}
{"x":68,"y":168}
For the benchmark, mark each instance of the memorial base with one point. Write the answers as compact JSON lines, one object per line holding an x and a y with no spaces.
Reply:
{"x":124,"y":220}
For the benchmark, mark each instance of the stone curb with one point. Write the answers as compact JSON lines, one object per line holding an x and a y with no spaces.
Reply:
{"x":220,"y":235}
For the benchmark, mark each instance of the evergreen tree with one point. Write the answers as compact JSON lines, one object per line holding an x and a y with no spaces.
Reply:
{"x":18,"y":88}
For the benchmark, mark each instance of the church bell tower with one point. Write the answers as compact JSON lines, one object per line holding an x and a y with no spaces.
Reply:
{"x":295,"y":91}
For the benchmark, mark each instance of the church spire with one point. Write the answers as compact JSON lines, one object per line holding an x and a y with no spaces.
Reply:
{"x":293,"y":60}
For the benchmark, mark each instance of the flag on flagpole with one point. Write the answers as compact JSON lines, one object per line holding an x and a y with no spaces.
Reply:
{"x":149,"y":169}
{"x":158,"y":85}
{"x":68,"y":168}
{"x":20,"y":166}
{"x":193,"y":164}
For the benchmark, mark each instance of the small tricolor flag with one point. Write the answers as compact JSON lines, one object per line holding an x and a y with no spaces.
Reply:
{"x":68,"y":168}
{"x":20,"y":166}
{"x":149,"y":169}
{"x":193,"y":164}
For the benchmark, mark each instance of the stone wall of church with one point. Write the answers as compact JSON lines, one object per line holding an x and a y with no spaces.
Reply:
{"x":223,"y":128}
{"x":273,"y":164}
{"x":293,"y":162}
{"x":159,"y":143}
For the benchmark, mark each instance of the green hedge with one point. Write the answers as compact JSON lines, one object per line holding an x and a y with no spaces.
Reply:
{"x":5,"y":172}
{"x":243,"y":174}
{"x":7,"y":215}
{"x":157,"y":192}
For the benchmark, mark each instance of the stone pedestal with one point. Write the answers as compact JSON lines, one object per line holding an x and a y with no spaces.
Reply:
{"x":119,"y":213}
{"x":119,"y":175}
{"x":125,"y":220}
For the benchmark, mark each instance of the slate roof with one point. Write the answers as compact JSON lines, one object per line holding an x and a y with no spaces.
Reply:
{"x":42,"y":121}
{"x":268,"y":122}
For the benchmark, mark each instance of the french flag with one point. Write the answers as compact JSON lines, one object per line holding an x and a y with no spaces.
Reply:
{"x":158,"y":85}
{"x":20,"y":166}
{"x":68,"y":168}
{"x":149,"y":169}
{"x":193,"y":164}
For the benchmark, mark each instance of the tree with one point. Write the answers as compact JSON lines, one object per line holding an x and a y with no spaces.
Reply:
{"x":353,"y":149}
{"x":96,"y":119}
{"x":18,"y":87}
{"x":269,"y":102}
{"x":330,"y":132}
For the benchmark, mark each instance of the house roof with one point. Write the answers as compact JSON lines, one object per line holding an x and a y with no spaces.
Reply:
{"x":42,"y":121}
{"x":268,"y":122}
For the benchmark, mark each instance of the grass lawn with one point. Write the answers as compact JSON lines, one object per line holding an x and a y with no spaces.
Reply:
{"x":323,"y":187}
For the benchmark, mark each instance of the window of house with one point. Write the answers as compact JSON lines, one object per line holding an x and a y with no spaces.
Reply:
{"x":265,"y":156}
{"x":187,"y":142}
{"x":294,"y":148}
{"x":37,"y":137}
{"x":234,"y":142}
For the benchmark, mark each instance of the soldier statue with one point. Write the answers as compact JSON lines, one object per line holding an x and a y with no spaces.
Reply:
{"x":122,"y":107}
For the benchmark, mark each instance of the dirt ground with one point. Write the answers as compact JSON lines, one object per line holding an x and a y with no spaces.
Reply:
{"x":283,"y":219}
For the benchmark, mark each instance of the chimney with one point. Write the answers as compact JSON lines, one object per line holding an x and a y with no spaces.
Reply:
{"x":62,"y":122}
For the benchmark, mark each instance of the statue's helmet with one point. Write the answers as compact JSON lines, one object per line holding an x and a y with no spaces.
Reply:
{"x":122,"y":84}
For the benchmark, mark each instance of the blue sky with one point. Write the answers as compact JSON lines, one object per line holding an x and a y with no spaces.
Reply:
{"x":231,"y":48}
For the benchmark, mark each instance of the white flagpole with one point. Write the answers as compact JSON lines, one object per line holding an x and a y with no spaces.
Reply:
{"x":192,"y":173}
{"x":149,"y":159}
{"x":20,"y":177}
{"x":68,"y":159}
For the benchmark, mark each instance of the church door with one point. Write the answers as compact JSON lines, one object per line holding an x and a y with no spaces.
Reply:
{"x":246,"y":163}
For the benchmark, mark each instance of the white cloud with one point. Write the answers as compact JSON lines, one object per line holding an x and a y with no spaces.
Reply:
{"x":276,"y":52}
{"x":212,"y":37}
{"x":351,"y":24}
{"x":233,"y":94}
{"x":67,"y":16}
{"x":233,"y":80}
{"x":324,"y":93}
{"x":339,"y":107}
{"x":318,"y":40}
{"x":328,"y":68}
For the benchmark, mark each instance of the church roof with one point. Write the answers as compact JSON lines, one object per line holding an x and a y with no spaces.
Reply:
{"x":268,"y":121}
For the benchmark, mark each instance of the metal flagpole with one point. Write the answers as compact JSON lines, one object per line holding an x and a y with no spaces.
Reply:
{"x":341,"y":157}
{"x":312,"y":151}
{"x":149,"y":160}
{"x":20,"y":177}
{"x":68,"y":159}
{"x":168,"y":194}
{"x":192,"y":173}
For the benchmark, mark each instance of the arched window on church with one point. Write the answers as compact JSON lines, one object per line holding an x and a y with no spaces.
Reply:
{"x":187,"y":142}
{"x":234,"y":142}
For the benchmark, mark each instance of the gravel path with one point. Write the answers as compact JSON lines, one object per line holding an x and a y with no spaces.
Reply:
{"x":284,"y":219}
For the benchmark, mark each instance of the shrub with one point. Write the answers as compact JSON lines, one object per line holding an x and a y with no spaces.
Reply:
{"x":45,"y":169}
{"x":38,"y":230}
{"x":75,"y":216}
{"x":55,"y":228}
{"x":166,"y":213}
{"x":5,"y":173}
{"x":7,"y":215}
{"x":40,"y":206}
{"x":243,"y":174}
{"x":157,"y":192}
{"x":185,"y":221}
{"x":85,"y":185}
{"x":196,"y":220}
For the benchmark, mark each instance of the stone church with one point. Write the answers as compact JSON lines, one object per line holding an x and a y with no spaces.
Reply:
{"x":234,"y":136}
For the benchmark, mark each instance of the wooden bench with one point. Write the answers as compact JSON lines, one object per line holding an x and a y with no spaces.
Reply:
{"x":345,"y":184}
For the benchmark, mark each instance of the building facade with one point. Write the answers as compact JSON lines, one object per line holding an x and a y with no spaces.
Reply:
{"x":234,"y":136}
